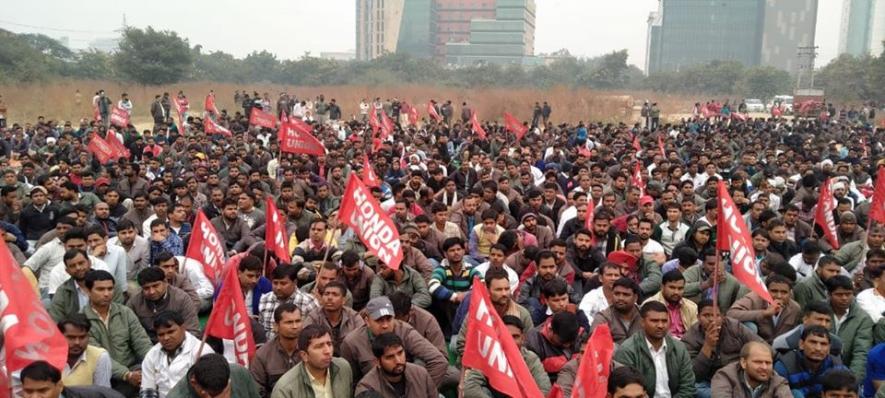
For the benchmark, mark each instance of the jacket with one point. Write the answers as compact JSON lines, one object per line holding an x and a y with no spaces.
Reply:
{"x":476,"y":384}
{"x":851,"y":254}
{"x":296,"y":382}
{"x":730,"y":290}
{"x":418,"y":383}
{"x":619,"y":330}
{"x":123,"y":337}
{"x":810,"y":289}
{"x":634,"y":352}
{"x":553,"y":358}
{"x":732,"y":337}
{"x":426,"y":325}
{"x":412,"y":284}
{"x":357,"y":350}
{"x":90,"y":392}
{"x":350,"y":321}
{"x":790,"y":366}
{"x":790,"y":341}
{"x":237,"y":237}
{"x":241,"y":385}
{"x":175,"y":300}
{"x":728,"y":382}
{"x":856,"y":333}
{"x":34,"y":223}
{"x":749,"y":309}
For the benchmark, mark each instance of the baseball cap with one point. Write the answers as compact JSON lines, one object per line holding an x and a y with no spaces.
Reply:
{"x":646,"y":200}
{"x":379,"y":307}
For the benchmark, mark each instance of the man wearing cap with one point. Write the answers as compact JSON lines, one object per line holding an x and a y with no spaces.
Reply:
{"x":380,"y":318}
{"x":529,"y":223}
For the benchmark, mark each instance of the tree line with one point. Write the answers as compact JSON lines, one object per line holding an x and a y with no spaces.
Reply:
{"x":153,"y":57}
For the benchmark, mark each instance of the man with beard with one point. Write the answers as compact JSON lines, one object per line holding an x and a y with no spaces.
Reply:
{"x":816,"y":313}
{"x":137,"y":248}
{"x":662,"y":359}
{"x":530,"y":291}
{"x":87,"y":364}
{"x":232,"y":228}
{"x":140,"y":212}
{"x":476,"y":384}
{"x":850,"y":323}
{"x":102,"y":218}
{"x":500,"y":297}
{"x":73,"y":295}
{"x":450,"y":282}
{"x":768,"y":320}
{"x":713,"y":342}
{"x":812,"y":288}
{"x":584,"y":258}
{"x":168,"y":360}
{"x":622,"y":316}
{"x":379,"y":318}
{"x":393,"y":377}
{"x":279,"y":354}
{"x":699,"y":282}
{"x":157,"y":296}
{"x":115,"y":205}
{"x":751,"y":376}
{"x":542,"y":233}
{"x":804,"y":368}
{"x":682,"y":312}
{"x":404,"y":279}
{"x":333,"y":313}
{"x":357,"y":277}
{"x":285,"y":290}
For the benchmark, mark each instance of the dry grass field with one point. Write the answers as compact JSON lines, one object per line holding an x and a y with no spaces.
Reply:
{"x":57,"y":100}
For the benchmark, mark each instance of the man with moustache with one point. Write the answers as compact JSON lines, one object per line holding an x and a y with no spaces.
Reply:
{"x":393,"y":377}
{"x":622,"y":316}
{"x":751,"y":376}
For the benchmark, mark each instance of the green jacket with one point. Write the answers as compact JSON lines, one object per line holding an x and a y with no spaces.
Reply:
{"x":651,"y":277}
{"x":65,"y":301}
{"x":124,"y":338}
{"x":476,"y":384}
{"x":851,"y":253}
{"x":634,"y":352}
{"x":241,"y":383}
{"x":856,"y":333}
{"x":810,"y":289}
{"x":296,"y":383}
{"x":730,"y":290}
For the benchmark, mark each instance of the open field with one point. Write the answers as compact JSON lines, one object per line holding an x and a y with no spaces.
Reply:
{"x":56,"y":100}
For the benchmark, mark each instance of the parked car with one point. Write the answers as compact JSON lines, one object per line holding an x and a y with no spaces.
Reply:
{"x":754,"y":105}
{"x":785,"y":101}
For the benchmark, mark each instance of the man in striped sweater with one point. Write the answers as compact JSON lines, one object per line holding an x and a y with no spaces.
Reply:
{"x":450,"y":282}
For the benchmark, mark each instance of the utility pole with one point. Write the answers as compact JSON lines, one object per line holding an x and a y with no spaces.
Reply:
{"x":805,"y":72}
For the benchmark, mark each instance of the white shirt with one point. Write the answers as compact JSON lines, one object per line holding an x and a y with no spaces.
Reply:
{"x":652,"y":249}
{"x":802,"y":268}
{"x":512,"y":277}
{"x":193,"y":270}
{"x":42,"y":261}
{"x":872,"y":302}
{"x":567,"y":214}
{"x":662,"y":378}
{"x":671,"y":238}
{"x":58,"y":276}
{"x":118,"y":265}
{"x":593,"y":302}
{"x":161,"y":374}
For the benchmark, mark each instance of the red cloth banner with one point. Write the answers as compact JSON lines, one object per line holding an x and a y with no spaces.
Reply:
{"x":477,"y":127}
{"x":294,"y":139}
{"x":119,"y":117}
{"x":117,"y":145}
{"x":206,"y":247}
{"x":877,"y":205}
{"x":209,"y":104}
{"x":636,"y":179}
{"x":230,"y":319}
{"x":661,"y":146}
{"x":733,"y":235}
{"x":101,"y":149}
{"x":431,"y":110}
{"x":636,"y":145}
{"x":275,"y":232}
{"x":211,"y":127}
{"x":823,"y":214}
{"x":262,"y":118}
{"x":386,"y":126}
{"x":369,"y":177}
{"x":411,"y":112}
{"x":595,"y":366}
{"x":376,"y":230}
{"x":515,"y":126}
{"x":490,"y":349}
{"x":29,"y":333}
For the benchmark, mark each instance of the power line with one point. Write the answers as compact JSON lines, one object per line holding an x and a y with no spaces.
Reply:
{"x":56,"y":29}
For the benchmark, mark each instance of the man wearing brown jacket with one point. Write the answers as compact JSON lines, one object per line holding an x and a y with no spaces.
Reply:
{"x":420,"y":319}
{"x":768,"y":321}
{"x":751,"y":377}
{"x":334,"y":314}
{"x":157,"y":295}
{"x":393,"y":377}
{"x":622,"y":316}
{"x":379,"y":317}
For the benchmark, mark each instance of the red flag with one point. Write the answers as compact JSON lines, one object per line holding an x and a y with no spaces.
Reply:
{"x":514,"y":125}
{"x":739,"y":116}
{"x":733,"y":235}
{"x":373,"y":121}
{"x":300,"y":125}
{"x":588,"y":221}
{"x":776,"y":111}
{"x":210,"y":127}
{"x":877,"y":205}
{"x":209,"y":104}
{"x":181,"y":107}
{"x":636,"y":145}
{"x":261,"y":118}
{"x":863,"y":143}
{"x":490,"y":349}
{"x":206,"y":247}
{"x":386,"y":126}
{"x":411,"y":112}
{"x":117,"y":145}
{"x":369,"y":177}
{"x":636,"y":179}
{"x":119,"y":117}
{"x":477,"y":128}
{"x":661,"y":146}
{"x":592,"y":376}
{"x":555,"y":392}
{"x":275,"y":232}
{"x":293,"y":139}
{"x":30,"y":334}
{"x":230,"y":319}
{"x":823,"y":214}
{"x":101,"y":149}
{"x":431,"y":110}
{"x":376,"y":230}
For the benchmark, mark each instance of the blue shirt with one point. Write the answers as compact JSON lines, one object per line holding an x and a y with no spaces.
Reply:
{"x":875,"y":369}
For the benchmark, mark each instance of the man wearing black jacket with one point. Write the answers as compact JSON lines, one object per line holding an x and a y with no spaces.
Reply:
{"x":39,"y":216}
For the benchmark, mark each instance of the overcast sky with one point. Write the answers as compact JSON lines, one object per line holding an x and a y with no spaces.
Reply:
{"x":289,"y":28}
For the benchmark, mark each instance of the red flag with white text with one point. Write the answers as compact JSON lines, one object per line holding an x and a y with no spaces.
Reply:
{"x":119,"y":117}
{"x":431,"y":110}
{"x":293,"y":139}
{"x":373,"y":121}
{"x":490,"y":349}
{"x":230,"y":318}
{"x":275,"y":232}
{"x":29,"y":333}
{"x":261,"y":118}
{"x":661,"y":146}
{"x":376,"y":230}
{"x":636,"y":145}
{"x":211,"y":127}
{"x":823,"y":214}
{"x":515,"y":126}
{"x":101,"y":149}
{"x":209,"y":104}
{"x":369,"y":177}
{"x":411,"y":112}
{"x":386,"y":126}
{"x":877,"y":205}
{"x":477,"y":127}
{"x":636,"y":178}
{"x":117,"y":145}
{"x":206,"y":247}
{"x":591,"y":380}
{"x":732,"y":235}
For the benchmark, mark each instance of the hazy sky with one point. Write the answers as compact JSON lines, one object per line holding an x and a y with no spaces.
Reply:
{"x":288,"y":28}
